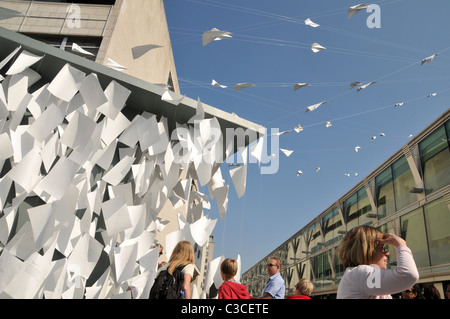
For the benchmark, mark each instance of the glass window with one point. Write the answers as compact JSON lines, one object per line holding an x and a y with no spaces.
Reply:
{"x":338,"y":266}
{"x":314,"y":238}
{"x":435,"y":157}
{"x":356,"y":208}
{"x":437,"y":217}
{"x":403,"y":182}
{"x":385,"y":193}
{"x":331,"y":225}
{"x":413,"y":231}
{"x":364,"y":207}
{"x":386,"y":229}
{"x":351,"y":211}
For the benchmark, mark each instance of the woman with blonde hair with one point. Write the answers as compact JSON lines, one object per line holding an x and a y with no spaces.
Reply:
{"x":365,"y":258}
{"x":182,"y":257}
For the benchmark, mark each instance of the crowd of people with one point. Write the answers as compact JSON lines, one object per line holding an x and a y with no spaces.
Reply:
{"x":363,"y":252}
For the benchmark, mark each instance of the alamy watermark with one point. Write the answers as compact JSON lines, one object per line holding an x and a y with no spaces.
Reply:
{"x":374,"y":279}
{"x":73,"y":16}
{"x":205,"y":144}
{"x":374,"y":20}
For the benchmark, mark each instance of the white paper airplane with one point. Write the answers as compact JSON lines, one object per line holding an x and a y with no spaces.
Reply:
{"x":298,"y":128}
{"x":355,"y":9}
{"x":429,"y":59}
{"x":77,"y":48}
{"x":316,"y":47}
{"x":214,"y":35}
{"x":214,"y":83}
{"x":365,"y":85}
{"x":315,"y":106}
{"x":300,"y":85}
{"x":311,"y":24}
{"x":241,"y":86}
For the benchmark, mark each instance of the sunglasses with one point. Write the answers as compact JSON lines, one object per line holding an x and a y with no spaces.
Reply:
{"x":270,"y":265}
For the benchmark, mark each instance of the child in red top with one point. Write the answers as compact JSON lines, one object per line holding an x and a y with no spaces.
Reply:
{"x":231,"y":289}
{"x":303,"y":289}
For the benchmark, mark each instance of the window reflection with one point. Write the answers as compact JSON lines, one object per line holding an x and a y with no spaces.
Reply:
{"x":385,"y":193}
{"x":356,"y":208}
{"x":413,"y":231}
{"x":435,"y":157}
{"x":437,"y":217}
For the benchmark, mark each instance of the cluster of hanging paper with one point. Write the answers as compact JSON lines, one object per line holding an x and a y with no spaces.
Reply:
{"x":82,"y":186}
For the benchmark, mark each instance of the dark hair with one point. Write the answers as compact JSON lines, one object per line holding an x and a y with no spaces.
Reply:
{"x":431,"y":292}
{"x":417,"y":288}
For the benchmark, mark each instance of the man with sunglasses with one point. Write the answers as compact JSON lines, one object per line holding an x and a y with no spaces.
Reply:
{"x":275,"y":287}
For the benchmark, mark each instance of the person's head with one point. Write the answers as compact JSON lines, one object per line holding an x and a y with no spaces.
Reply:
{"x":182,"y":254}
{"x":361,"y":246}
{"x":431,"y":292}
{"x":273,"y":266}
{"x":228,"y":268}
{"x":304,"y":287}
{"x":415,"y":292}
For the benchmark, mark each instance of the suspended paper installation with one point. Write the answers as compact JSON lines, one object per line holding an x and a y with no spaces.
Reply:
{"x":82,"y":186}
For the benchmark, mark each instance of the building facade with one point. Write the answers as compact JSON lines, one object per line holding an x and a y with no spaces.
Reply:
{"x":408,"y":195}
{"x":108,"y":29}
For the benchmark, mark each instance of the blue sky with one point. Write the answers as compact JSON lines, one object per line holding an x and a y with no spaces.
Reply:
{"x":271,"y":48}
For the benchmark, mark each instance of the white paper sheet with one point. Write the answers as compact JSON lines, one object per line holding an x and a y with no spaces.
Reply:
{"x":66,"y":83}
{"x":116,"y":96}
{"x":23,"y":61}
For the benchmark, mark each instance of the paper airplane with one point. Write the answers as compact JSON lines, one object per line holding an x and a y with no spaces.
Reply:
{"x":78,"y":49}
{"x":298,"y":128}
{"x":353,"y":84}
{"x":214,"y":83}
{"x":357,"y":148}
{"x":315,"y":106}
{"x":328,"y":124}
{"x":300,"y":85}
{"x":280,"y":133}
{"x":214,"y":35}
{"x":316,"y":47}
{"x":382,"y":134}
{"x":317,"y":169}
{"x":241,"y":86}
{"x":311,"y":24}
{"x":365,"y":85}
{"x":373,"y":138}
{"x":114,"y":65}
{"x":170,"y":97}
{"x":286,"y":152}
{"x":432,"y":94}
{"x":299,"y":172}
{"x":399,"y":104}
{"x":429,"y":59}
{"x":140,"y":50}
{"x":355,"y":9}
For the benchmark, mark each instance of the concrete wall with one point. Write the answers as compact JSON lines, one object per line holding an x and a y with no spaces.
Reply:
{"x":135,"y":23}
{"x":127,"y":24}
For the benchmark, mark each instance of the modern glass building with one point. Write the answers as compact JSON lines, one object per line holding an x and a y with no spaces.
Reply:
{"x":408,"y":195}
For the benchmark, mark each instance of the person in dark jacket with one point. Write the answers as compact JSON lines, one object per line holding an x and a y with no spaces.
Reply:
{"x":230,"y":288}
